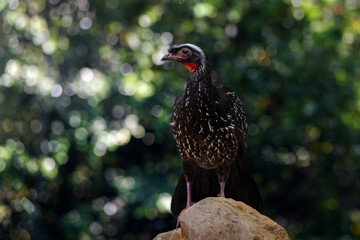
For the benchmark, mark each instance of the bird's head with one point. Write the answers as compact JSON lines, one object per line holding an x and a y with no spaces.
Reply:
{"x":189,"y":55}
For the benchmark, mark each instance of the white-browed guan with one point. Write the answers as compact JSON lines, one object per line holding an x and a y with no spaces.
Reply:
{"x":210,"y":128}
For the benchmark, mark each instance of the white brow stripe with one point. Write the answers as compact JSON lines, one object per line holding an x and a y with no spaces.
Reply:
{"x":194,"y":47}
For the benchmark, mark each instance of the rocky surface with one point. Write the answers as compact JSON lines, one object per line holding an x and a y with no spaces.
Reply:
{"x":224,"y":218}
{"x":173,"y":235}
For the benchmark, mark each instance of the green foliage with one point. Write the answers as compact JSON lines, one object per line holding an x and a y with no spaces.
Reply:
{"x":86,"y":150}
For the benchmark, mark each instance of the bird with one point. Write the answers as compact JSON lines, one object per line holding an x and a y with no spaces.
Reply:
{"x":210,"y":128}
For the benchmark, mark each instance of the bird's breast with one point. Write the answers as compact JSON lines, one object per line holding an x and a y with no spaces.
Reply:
{"x":204,"y":135}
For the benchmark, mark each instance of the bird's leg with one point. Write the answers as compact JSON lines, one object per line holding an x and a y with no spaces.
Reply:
{"x":222,"y":189}
{"x":223,"y":175}
{"x":189,"y":203}
{"x":188,"y":188}
{"x":188,"y":170}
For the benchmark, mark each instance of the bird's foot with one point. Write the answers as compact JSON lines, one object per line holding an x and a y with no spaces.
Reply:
{"x":222,"y":189}
{"x":188,"y":205}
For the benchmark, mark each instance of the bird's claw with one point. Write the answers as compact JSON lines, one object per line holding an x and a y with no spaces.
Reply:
{"x":188,"y":205}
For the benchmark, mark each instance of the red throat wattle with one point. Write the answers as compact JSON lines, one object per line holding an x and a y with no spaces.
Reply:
{"x":191,"y":66}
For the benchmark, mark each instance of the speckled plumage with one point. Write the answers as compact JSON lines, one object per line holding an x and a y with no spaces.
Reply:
{"x":209,"y":124}
{"x":210,"y":128}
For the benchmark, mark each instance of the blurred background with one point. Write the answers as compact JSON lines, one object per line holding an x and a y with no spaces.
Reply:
{"x":86,"y":150}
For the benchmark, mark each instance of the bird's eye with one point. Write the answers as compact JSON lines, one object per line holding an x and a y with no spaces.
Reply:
{"x":185,"y":51}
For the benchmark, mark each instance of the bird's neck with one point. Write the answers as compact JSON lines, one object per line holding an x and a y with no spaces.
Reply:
{"x":202,"y":73}
{"x":198,"y":87}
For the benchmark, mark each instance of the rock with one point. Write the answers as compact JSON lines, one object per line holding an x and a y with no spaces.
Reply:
{"x":173,"y":235}
{"x":224,"y":218}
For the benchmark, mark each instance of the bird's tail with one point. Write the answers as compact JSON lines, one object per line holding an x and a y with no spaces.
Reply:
{"x":240,"y":186}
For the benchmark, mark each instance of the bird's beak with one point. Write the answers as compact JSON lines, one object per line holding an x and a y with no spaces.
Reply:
{"x":165,"y":57}
{"x":170,"y":56}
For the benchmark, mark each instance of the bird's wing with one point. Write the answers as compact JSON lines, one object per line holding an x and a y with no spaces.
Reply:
{"x":236,"y":109}
{"x":240,"y":185}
